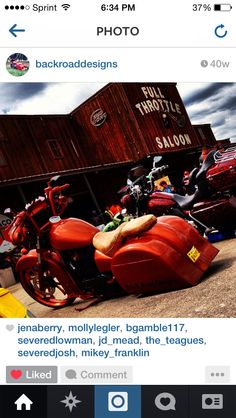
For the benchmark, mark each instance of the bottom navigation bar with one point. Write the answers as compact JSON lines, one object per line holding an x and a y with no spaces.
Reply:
{"x":131,"y":401}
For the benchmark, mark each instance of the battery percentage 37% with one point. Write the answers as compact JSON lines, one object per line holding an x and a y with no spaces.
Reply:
{"x":200,"y":7}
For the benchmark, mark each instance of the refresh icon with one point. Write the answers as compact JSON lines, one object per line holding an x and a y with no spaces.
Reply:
{"x":220,"y":31}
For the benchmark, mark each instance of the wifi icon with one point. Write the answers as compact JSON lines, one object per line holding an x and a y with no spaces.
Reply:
{"x":65,"y":6}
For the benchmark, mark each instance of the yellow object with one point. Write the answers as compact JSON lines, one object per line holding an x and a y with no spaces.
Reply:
{"x":193,"y":254}
{"x":10,"y":307}
{"x":157,"y":183}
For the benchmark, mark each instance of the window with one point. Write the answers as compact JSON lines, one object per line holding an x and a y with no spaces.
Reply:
{"x":55,"y":149}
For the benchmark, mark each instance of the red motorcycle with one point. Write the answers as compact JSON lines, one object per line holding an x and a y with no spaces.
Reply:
{"x":212,"y":204}
{"x":63,"y":259}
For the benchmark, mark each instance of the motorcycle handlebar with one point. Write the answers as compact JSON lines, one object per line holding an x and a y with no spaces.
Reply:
{"x":58,"y":189}
{"x":135,"y":182}
{"x":159,"y":169}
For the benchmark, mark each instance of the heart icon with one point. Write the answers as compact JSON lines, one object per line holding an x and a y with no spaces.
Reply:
{"x":16,"y":374}
{"x":165,"y":401}
{"x":9,"y":327}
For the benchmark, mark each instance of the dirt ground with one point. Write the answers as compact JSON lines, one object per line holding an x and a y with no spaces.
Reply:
{"x":214,"y":296}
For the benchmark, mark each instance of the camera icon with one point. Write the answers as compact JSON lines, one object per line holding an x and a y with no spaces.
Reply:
{"x":117,"y":401}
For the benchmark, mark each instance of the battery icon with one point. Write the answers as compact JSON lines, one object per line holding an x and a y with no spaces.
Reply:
{"x":222,"y":7}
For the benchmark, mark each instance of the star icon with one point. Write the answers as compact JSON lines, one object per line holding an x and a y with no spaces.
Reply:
{"x":70,"y":401}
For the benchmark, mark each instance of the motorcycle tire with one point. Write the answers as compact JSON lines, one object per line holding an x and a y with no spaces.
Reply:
{"x":51,"y":295}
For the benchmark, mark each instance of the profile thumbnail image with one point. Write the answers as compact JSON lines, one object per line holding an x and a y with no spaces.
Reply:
{"x":17,"y":64}
{"x":127,"y":193}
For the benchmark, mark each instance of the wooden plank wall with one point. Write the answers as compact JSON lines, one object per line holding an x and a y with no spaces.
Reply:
{"x":118,"y":138}
{"x":122,"y":123}
{"x":24,"y":145}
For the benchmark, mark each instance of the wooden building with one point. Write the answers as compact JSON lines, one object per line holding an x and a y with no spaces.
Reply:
{"x":95,"y":145}
{"x":205,"y":135}
{"x":225,"y":143}
{"x":128,"y":121}
{"x":34,"y":146}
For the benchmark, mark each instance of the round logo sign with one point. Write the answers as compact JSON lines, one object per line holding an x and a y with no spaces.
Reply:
{"x":98,"y":117}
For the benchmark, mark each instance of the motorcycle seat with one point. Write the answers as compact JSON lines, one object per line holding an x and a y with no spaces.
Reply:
{"x":109,"y":242}
{"x":209,"y":161}
{"x":192,"y":176}
{"x":185,"y":202}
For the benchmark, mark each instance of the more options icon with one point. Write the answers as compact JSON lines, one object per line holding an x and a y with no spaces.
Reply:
{"x":165,"y":401}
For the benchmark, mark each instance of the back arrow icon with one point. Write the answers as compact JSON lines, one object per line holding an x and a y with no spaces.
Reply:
{"x":13,"y":30}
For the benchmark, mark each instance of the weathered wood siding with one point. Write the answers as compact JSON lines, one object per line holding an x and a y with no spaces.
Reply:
{"x":117,"y":137}
{"x":122,"y":123}
{"x":26,"y":145}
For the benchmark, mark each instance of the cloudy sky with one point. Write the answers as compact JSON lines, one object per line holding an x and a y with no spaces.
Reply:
{"x":213,"y":103}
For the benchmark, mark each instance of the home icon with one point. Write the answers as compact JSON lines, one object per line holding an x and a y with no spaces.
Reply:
{"x":23,"y":403}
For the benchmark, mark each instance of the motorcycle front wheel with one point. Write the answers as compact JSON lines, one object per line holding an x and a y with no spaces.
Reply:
{"x":52,"y":293}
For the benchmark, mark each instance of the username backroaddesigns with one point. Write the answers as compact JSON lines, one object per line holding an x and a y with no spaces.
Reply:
{"x":102,"y":65}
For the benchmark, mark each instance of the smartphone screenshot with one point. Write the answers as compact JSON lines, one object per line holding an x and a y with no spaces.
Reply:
{"x":117,"y":209}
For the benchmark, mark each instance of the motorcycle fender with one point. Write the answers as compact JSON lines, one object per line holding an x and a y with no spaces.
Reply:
{"x":26,"y":261}
{"x":31,"y":259}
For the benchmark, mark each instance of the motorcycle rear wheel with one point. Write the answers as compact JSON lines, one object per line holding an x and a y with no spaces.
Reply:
{"x":52,"y":295}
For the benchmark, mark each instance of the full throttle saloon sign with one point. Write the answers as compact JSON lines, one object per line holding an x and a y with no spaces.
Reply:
{"x":173,"y":131}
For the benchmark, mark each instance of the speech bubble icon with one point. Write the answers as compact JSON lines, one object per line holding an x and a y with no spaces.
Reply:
{"x":165,"y":401}
{"x":70,"y":374}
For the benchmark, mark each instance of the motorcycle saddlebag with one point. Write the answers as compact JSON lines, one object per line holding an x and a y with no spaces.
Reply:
{"x":171,"y":255}
{"x":222,"y":212}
